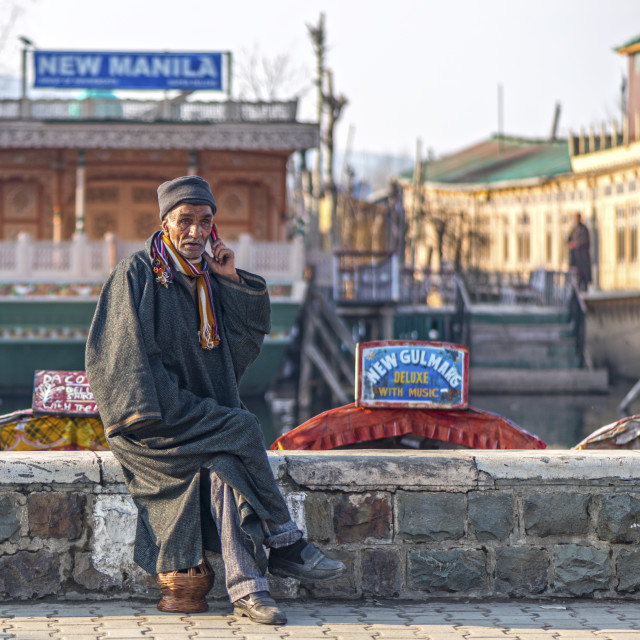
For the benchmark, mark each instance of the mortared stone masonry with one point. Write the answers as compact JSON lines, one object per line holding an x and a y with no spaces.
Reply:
{"x":414,"y":525}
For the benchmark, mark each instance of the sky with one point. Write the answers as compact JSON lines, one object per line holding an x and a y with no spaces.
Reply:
{"x":412,"y":71}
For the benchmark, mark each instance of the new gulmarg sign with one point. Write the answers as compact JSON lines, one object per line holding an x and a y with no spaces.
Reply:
{"x":412,"y":374}
{"x":128,"y":70}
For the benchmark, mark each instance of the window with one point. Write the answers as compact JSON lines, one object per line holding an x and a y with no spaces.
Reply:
{"x":505,"y":247}
{"x":524,"y":246}
{"x":549,"y":247}
{"x":620,"y":234}
{"x":527,"y":247}
{"x":607,"y":190}
{"x":620,"y":237}
{"x":633,"y":233}
{"x":563,"y":250}
{"x":620,"y":187}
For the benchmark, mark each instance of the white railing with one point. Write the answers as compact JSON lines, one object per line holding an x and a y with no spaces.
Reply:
{"x":149,"y":110}
{"x":45,"y":261}
{"x":81,"y":259}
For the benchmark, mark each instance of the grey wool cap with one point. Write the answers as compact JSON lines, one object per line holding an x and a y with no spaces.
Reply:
{"x":185,"y":189}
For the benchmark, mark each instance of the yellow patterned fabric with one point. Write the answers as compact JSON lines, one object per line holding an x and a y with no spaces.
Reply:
{"x":28,"y":432}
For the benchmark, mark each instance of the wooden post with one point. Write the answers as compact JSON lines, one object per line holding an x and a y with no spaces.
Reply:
{"x":193,"y":163}
{"x":625,"y":130}
{"x":304,"y":379}
{"x":80,"y":192}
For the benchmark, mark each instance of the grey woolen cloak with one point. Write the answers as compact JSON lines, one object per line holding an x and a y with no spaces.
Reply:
{"x":172,"y":409}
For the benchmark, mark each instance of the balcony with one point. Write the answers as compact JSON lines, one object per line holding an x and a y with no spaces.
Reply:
{"x":82,"y":260}
{"x":106,"y":109}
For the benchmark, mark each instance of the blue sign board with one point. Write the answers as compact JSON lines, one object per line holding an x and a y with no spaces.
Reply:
{"x":412,"y":374}
{"x":133,"y":70}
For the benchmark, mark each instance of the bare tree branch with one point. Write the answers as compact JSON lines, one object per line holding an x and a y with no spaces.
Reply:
{"x":10,"y":11}
{"x":261,"y":78}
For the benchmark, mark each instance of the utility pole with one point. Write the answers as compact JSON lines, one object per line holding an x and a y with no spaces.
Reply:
{"x":26,"y":45}
{"x":416,"y":209}
{"x":317,"y":35}
{"x":343,"y":221}
{"x":500,"y":117}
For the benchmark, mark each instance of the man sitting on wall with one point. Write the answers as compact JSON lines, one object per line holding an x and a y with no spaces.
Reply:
{"x":174,"y":330}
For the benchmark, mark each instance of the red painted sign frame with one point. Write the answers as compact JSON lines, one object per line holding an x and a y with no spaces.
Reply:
{"x":63,"y":393}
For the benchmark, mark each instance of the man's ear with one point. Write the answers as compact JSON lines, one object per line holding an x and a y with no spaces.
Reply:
{"x":164,"y":225}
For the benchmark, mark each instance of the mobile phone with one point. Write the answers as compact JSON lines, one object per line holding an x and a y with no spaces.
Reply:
{"x":214,"y":235}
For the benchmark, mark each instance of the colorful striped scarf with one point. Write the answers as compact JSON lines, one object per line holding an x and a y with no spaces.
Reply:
{"x":164,"y":255}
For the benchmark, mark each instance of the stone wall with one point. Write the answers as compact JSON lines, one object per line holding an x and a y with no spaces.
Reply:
{"x":410,"y":525}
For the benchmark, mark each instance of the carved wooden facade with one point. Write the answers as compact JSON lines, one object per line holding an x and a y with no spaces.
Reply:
{"x":123,"y":163}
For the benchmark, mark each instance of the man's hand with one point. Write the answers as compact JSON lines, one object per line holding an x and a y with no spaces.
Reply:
{"x":222,"y":260}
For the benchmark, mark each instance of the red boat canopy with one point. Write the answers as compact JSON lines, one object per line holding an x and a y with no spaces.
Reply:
{"x":472,"y":428}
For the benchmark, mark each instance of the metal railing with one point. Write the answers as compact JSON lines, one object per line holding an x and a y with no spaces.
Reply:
{"x":462,"y":316}
{"x":540,"y":287}
{"x":365,"y":276}
{"x":148,"y":110}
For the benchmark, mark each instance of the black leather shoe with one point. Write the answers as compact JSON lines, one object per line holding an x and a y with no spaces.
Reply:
{"x":315,"y":566}
{"x":259,"y":607}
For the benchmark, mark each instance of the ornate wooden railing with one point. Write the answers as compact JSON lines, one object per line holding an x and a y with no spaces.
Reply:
{"x":148,"y":110}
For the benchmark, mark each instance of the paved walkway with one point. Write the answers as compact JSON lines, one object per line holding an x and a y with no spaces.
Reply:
{"x":574,"y":620}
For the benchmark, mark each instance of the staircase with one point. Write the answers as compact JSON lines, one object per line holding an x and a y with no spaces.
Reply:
{"x":327,"y":353}
{"x":542,"y":338}
{"x":527,"y":348}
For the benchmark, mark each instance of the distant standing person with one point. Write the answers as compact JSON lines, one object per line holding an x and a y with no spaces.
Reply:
{"x":579,"y":253}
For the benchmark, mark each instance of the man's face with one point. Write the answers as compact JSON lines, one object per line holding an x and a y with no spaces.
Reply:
{"x":188,"y":226}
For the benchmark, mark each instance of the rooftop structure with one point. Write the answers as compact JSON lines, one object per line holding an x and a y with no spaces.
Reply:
{"x":631,"y":49}
{"x":152,"y":124}
{"x":500,"y":159}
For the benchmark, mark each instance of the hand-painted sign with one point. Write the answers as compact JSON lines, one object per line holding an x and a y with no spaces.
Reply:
{"x":133,"y":70}
{"x":411,"y":374}
{"x":63,"y":392}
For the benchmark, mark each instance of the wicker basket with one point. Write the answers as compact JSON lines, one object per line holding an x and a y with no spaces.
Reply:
{"x":185,"y":592}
